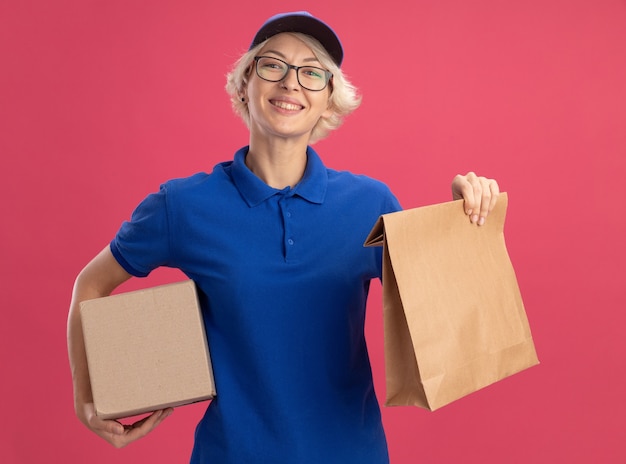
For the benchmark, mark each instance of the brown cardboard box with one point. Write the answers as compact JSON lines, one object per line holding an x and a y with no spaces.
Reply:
{"x":146,"y":350}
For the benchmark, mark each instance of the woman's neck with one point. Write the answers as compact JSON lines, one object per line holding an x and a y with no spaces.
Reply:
{"x":279,"y":163}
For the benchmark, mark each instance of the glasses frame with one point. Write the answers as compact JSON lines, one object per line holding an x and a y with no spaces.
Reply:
{"x":327,"y":73}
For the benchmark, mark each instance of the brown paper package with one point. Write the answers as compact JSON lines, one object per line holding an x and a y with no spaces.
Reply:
{"x":454,"y":320}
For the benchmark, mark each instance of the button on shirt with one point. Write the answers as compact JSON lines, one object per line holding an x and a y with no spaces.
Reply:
{"x":283,"y":279}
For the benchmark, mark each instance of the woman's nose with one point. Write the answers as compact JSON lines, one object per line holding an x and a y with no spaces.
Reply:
{"x":290,"y":81}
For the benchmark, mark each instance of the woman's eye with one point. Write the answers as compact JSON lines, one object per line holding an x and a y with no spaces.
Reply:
{"x":314,"y":73}
{"x":270,"y":64}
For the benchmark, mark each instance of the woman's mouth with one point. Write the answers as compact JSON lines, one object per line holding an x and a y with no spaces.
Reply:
{"x":286,"y":105}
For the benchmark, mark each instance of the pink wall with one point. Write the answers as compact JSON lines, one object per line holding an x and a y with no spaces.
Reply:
{"x":100,"y":101}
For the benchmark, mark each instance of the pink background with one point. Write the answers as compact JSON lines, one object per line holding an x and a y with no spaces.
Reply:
{"x":101,"y":101}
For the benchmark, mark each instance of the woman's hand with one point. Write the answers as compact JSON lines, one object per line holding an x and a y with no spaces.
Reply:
{"x":98,"y":279}
{"x":117,"y":434}
{"x":479,"y":194}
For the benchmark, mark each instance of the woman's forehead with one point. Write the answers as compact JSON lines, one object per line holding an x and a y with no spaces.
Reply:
{"x":288,"y":45}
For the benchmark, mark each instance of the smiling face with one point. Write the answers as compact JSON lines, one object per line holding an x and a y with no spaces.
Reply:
{"x":285,"y":109}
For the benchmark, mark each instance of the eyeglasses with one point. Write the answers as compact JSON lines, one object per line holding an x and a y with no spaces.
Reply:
{"x":274,"y":70}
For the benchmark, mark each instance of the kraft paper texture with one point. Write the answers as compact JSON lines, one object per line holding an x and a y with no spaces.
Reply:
{"x":454,"y":319}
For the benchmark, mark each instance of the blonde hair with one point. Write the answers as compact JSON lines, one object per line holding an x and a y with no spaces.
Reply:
{"x":342,"y":101}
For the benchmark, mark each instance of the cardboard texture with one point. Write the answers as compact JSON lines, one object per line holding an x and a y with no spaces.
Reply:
{"x":454,"y":320}
{"x":146,"y":350}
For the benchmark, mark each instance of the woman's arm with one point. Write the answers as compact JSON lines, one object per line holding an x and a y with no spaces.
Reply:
{"x":99,"y":278}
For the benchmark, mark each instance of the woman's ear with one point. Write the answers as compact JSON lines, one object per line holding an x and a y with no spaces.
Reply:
{"x":242,"y":94}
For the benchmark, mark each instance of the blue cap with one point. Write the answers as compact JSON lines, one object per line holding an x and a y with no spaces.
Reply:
{"x":306,"y":23}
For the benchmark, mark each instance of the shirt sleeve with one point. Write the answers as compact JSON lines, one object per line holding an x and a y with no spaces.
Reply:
{"x":393,"y":205}
{"x":143,"y":243}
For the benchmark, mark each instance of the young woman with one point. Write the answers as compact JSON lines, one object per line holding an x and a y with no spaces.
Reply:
{"x":274,"y":242}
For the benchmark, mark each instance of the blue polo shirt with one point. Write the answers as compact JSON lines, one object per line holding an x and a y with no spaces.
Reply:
{"x":283,"y":279}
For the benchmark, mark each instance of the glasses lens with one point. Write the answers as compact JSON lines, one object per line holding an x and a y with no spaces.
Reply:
{"x":274,"y":70}
{"x":312,"y":78}
{"x":271,"y":69}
